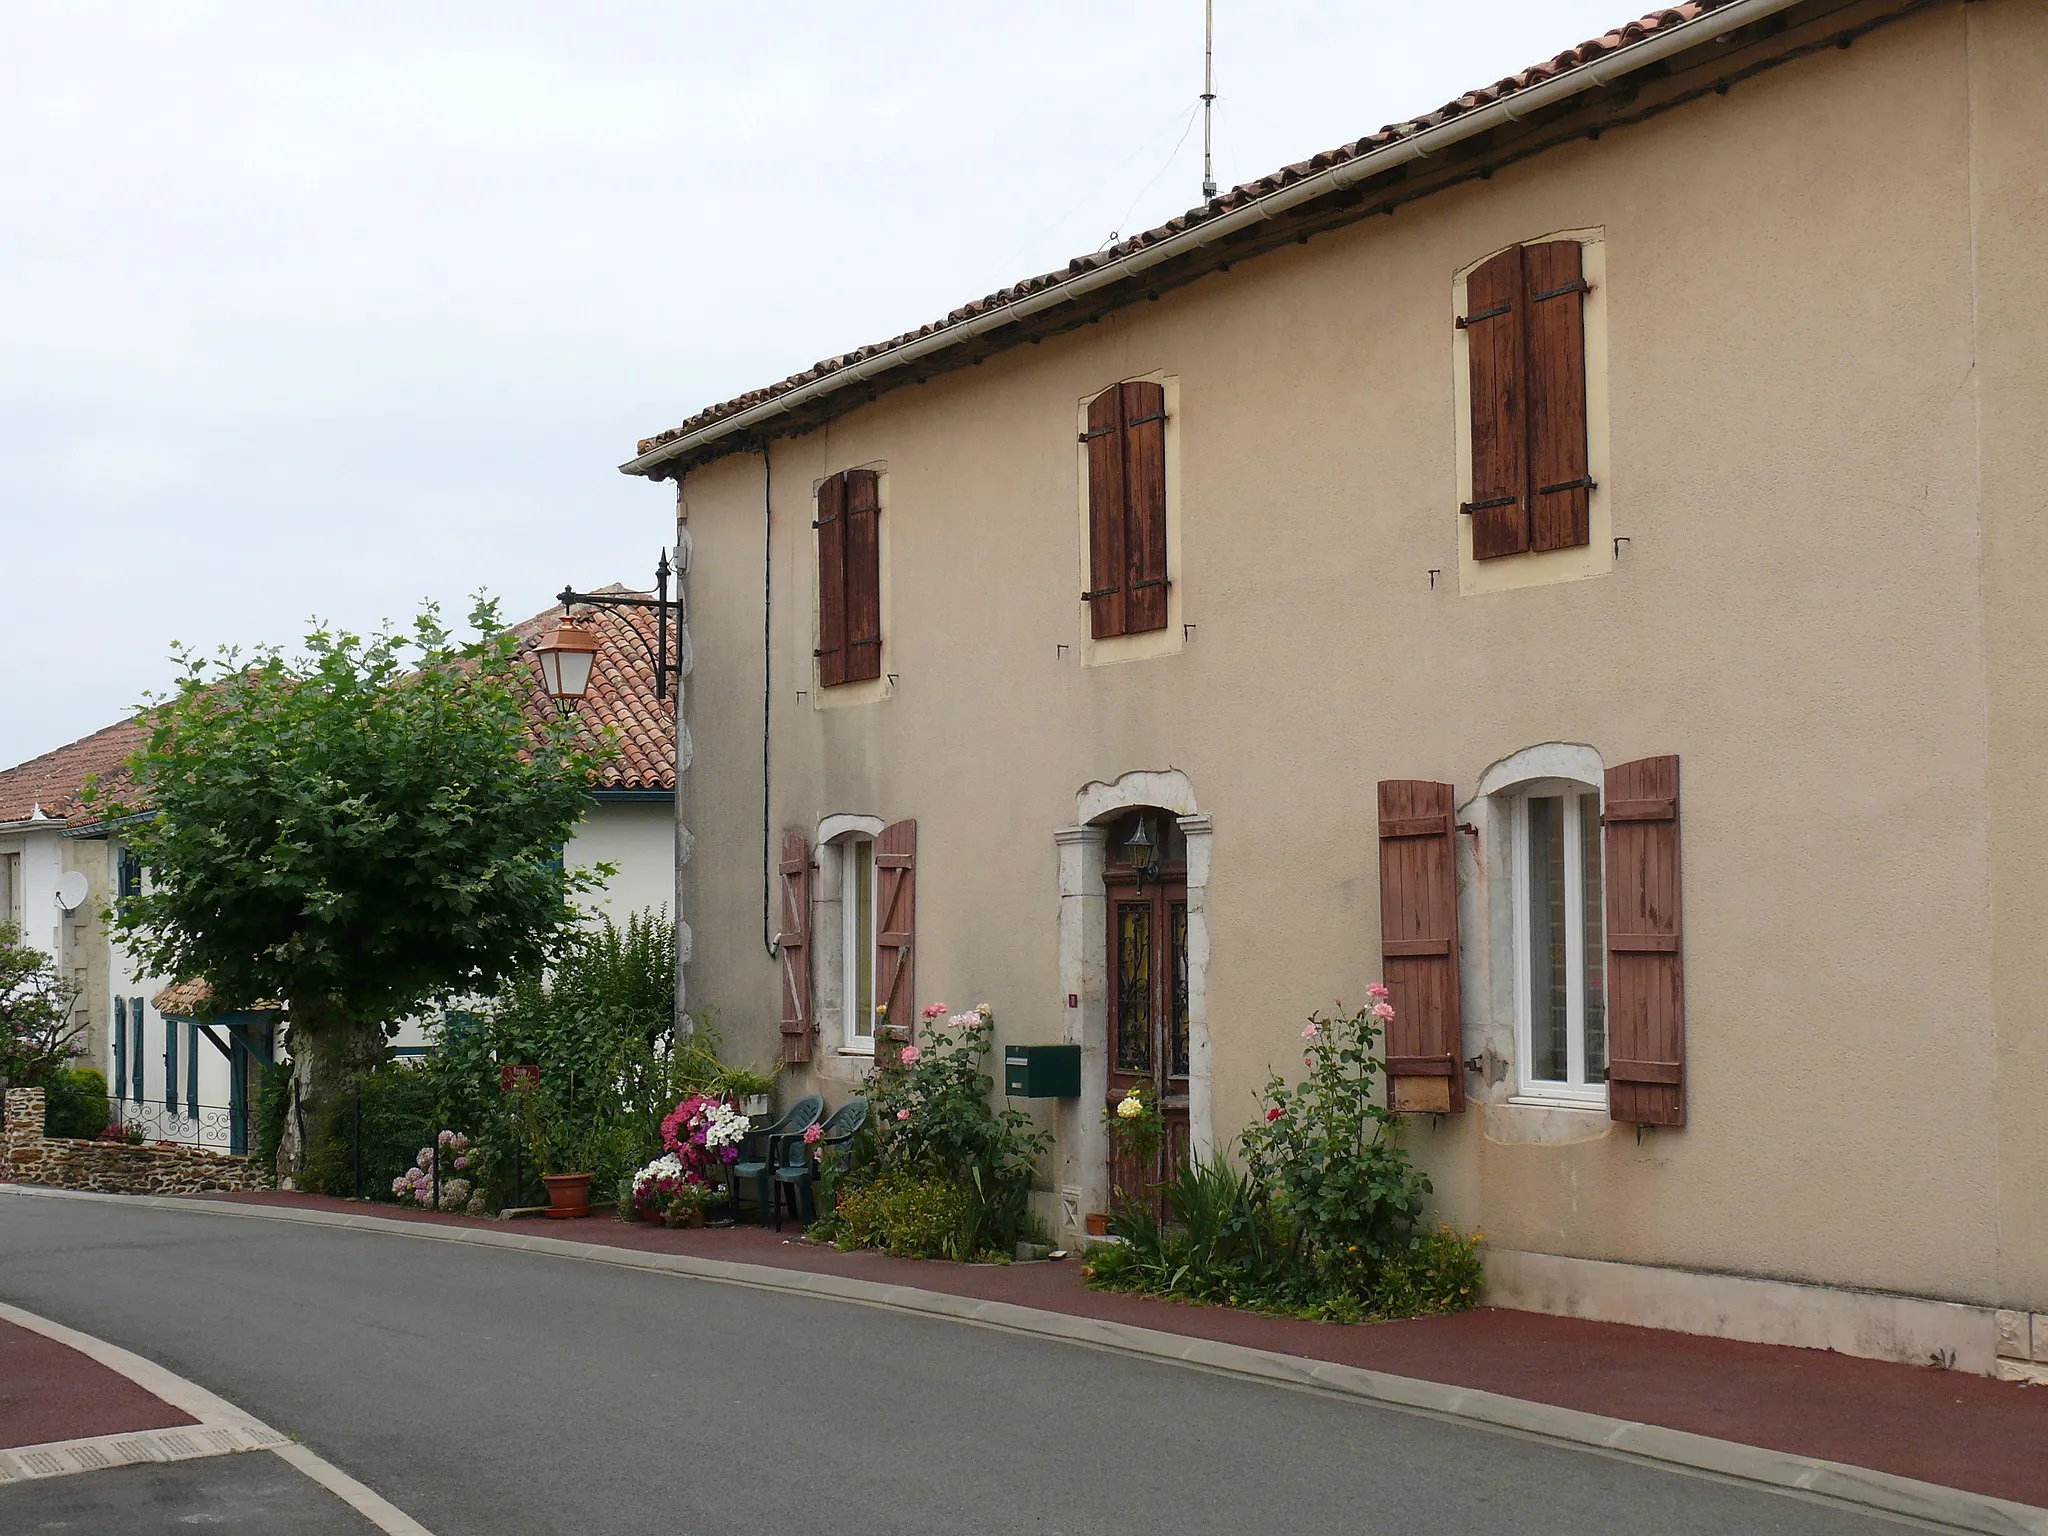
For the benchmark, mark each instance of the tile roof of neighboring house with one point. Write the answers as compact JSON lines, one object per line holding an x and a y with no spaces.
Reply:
{"x":54,"y":780}
{"x":1662,"y":20}
{"x":621,"y":696}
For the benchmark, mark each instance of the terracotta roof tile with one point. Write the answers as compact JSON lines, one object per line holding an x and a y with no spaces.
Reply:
{"x":1236,"y":197}
{"x":54,"y":780}
{"x":621,"y":696}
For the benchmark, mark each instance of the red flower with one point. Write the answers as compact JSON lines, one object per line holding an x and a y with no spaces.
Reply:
{"x":1274,"y":1114}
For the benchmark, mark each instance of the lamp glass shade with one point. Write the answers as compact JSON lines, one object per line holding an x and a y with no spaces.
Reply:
{"x":1138,"y":849}
{"x":565,"y":656}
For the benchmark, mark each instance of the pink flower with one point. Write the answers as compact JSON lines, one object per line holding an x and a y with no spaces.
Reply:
{"x":1376,"y":991}
{"x":1383,"y":1011}
{"x":902,"y":1114}
{"x":935,"y":1010}
{"x":1311,"y":1030}
{"x":909,"y":1054}
{"x":1274,"y":1114}
{"x":814,"y":1135}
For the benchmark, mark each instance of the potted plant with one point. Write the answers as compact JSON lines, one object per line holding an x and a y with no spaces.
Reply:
{"x":566,"y":1152}
{"x":745,"y":1087}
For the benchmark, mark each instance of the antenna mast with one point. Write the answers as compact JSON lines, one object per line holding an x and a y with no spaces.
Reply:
{"x":1208,"y":97}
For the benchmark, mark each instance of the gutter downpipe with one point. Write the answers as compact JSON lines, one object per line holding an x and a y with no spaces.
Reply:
{"x":1421,"y":146}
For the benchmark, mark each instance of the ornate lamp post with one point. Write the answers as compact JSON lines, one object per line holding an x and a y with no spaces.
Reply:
{"x":566,"y":652}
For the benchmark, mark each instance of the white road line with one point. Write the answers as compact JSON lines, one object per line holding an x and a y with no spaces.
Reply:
{"x":222,"y":1430}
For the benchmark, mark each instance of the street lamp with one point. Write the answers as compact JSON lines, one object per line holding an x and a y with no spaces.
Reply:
{"x":567,"y":652}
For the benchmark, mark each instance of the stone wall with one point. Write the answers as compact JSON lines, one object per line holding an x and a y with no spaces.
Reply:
{"x":27,"y":1156}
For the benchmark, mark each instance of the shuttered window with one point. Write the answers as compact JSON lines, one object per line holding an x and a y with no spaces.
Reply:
{"x":171,"y":1065}
{"x":1419,"y":946}
{"x":135,"y":1053}
{"x":1525,"y":330}
{"x":849,"y":577}
{"x":120,"y":1047}
{"x":1560,"y":974}
{"x":794,"y":943}
{"x":1645,"y":958}
{"x":191,"y":1069}
{"x":1126,"y":442}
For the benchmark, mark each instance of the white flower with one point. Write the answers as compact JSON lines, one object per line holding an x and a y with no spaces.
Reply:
{"x":1131,"y":1108}
{"x":666,"y":1166}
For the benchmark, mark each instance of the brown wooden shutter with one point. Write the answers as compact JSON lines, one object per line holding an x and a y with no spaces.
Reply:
{"x":1144,"y":407}
{"x":795,"y":944}
{"x":1494,"y":320}
{"x":1106,"y":517}
{"x":896,"y":924}
{"x":1645,"y":964}
{"x":863,"y":575}
{"x":1559,"y":480}
{"x":831,"y":526}
{"x":1419,"y":945}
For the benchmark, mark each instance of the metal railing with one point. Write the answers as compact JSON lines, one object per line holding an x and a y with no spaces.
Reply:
{"x":214,"y":1127}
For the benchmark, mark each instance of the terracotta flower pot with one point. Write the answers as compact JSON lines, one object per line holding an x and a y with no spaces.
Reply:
{"x":1098,"y":1223}
{"x":568,"y":1194}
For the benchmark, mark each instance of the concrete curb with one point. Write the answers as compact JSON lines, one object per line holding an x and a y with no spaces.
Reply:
{"x":223,"y":1429}
{"x":1857,"y":1486}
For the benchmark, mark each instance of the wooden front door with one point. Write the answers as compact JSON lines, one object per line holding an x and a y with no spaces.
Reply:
{"x":1148,"y":995}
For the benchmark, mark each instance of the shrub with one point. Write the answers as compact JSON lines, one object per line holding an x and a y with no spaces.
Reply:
{"x":1329,"y":1153}
{"x":934,"y":1122}
{"x":273,"y":1103}
{"x":75,"y":1103}
{"x":911,"y":1217}
{"x":399,"y":1116}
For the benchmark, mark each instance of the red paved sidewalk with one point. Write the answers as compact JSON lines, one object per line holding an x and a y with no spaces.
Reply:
{"x":49,"y":1391}
{"x":1943,"y":1427}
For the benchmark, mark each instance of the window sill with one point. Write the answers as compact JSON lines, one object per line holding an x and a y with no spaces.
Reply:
{"x":855,"y":1050}
{"x":1536,"y":1099}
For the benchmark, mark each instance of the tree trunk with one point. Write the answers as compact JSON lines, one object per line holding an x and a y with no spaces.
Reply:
{"x":328,"y":1050}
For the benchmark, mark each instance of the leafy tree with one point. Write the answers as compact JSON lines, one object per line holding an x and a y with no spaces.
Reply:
{"x":40,"y":1029}
{"x":357,"y":832}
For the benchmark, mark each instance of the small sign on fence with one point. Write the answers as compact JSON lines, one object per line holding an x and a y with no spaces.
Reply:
{"x":518,"y":1079}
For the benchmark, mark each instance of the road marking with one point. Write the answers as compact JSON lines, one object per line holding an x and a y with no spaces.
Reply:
{"x":222,"y":1430}
{"x":1836,"y":1482}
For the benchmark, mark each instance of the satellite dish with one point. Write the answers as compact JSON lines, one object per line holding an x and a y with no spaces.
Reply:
{"x":72,"y":890}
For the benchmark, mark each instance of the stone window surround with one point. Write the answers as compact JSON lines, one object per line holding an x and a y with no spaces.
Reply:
{"x":1084,"y":976}
{"x":828,"y":942}
{"x":1488,"y":951}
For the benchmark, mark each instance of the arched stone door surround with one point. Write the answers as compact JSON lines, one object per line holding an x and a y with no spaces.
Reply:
{"x":1084,"y":978}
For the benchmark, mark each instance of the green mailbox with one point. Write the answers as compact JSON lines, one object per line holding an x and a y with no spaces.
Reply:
{"x":1042,"y":1071}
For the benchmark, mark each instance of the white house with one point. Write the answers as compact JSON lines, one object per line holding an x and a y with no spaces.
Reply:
{"x":185,"y":1080}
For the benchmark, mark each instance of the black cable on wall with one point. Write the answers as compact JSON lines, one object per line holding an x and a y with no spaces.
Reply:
{"x":768,"y":933}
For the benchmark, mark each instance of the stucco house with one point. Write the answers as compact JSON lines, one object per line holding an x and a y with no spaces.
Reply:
{"x":187,"y":1080}
{"x":1578,"y":554}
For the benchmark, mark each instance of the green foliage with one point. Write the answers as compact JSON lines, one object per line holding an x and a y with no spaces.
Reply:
{"x":273,"y":1103}
{"x":1325,"y":1222}
{"x":910,"y":1216}
{"x":75,"y":1103}
{"x":934,"y":1122}
{"x":399,"y":1116}
{"x":40,"y":1030}
{"x":1328,"y":1152}
{"x":360,"y":830}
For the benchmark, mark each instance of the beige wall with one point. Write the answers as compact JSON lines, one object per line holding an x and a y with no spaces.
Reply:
{"x":1795,"y":396}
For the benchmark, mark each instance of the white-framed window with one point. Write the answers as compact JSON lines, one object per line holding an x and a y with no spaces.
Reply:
{"x":1560,"y":943}
{"x":857,"y":919}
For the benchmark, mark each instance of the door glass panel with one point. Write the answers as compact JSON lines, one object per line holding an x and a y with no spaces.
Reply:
{"x":1134,"y":987}
{"x":1547,"y":1000}
{"x":1180,"y":989}
{"x":1595,"y":933}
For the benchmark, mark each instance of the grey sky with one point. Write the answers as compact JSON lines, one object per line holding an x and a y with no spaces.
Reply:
{"x":325,"y":308}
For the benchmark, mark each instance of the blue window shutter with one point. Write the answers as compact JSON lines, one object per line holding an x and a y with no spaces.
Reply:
{"x":192,"y":1069}
{"x":171,"y":1065}
{"x":135,"y":1019}
{"x":120,"y":1047}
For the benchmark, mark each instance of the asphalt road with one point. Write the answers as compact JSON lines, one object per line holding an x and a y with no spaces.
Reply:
{"x":488,"y":1391}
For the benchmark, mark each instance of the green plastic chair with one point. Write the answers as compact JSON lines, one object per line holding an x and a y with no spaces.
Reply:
{"x":803,"y":1114}
{"x":797,"y":1169}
